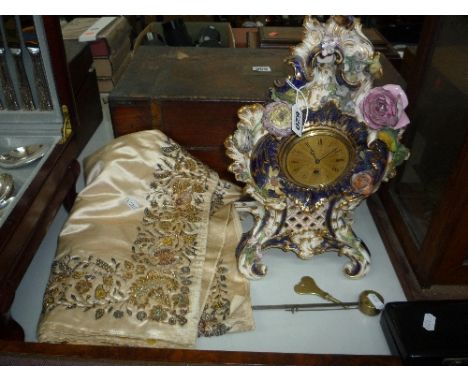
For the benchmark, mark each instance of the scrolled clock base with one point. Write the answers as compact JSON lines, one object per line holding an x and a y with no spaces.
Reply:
{"x":292,"y":230}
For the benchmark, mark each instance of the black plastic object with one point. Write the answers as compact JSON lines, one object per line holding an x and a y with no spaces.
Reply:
{"x":209,"y":37}
{"x":427,"y":332}
{"x":176,"y":34}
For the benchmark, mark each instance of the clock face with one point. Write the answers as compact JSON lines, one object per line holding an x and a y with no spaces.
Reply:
{"x":319,"y":158}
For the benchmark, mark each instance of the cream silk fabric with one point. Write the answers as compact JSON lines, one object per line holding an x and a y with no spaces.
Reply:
{"x":146,"y":257}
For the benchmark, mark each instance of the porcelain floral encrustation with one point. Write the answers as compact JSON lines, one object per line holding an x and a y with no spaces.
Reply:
{"x":363,"y":183}
{"x":277,"y":119}
{"x":400,"y":152}
{"x":384,"y":107}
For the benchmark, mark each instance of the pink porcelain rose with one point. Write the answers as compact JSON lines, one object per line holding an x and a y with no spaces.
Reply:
{"x":385,"y":107}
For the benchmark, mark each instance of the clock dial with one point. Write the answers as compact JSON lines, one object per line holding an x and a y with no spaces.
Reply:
{"x":319,"y":158}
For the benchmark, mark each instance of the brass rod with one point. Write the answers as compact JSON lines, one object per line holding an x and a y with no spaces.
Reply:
{"x":315,"y":306}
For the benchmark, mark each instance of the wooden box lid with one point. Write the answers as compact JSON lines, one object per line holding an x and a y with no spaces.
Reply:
{"x":201,"y":74}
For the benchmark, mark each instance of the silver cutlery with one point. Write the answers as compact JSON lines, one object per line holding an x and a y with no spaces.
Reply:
{"x":22,"y":155}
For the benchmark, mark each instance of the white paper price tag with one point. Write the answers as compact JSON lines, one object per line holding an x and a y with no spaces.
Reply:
{"x":375,"y":301}
{"x":132,"y":203}
{"x":429,"y":322}
{"x":296,"y":118}
{"x":261,"y":68}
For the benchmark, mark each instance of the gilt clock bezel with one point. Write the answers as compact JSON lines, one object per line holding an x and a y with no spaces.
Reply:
{"x":310,"y":130}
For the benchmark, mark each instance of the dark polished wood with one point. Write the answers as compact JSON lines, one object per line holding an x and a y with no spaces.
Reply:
{"x":193,"y":95}
{"x":74,"y":170}
{"x":446,"y":243}
{"x":204,"y":132}
{"x":75,"y":81}
{"x":438,"y":267}
{"x":407,"y":277}
{"x":130,"y":116}
{"x":33,"y":215}
{"x":60,"y":69}
{"x":61,"y":354}
{"x":418,"y":68}
{"x":441,"y":260}
{"x":10,"y":330}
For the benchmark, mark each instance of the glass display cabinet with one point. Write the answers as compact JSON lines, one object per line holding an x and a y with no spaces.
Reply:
{"x":423,"y":213}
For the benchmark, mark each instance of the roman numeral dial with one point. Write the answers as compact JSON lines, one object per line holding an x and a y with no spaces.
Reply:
{"x":319,"y":158}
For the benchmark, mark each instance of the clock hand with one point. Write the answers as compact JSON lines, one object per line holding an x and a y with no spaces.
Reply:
{"x":317,"y":161}
{"x":329,"y":153}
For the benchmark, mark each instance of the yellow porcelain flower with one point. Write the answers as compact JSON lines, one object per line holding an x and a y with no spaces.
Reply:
{"x":375,"y":68}
{"x":389,"y":137}
{"x":277,"y":119}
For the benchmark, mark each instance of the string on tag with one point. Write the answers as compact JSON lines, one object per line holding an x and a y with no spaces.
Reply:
{"x":296,"y":129}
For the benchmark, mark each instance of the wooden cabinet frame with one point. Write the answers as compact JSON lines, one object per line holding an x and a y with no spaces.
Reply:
{"x":437,"y":269}
{"x":54,"y":184}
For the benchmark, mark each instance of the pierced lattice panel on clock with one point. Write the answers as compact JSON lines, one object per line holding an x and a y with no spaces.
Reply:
{"x":299,"y":220}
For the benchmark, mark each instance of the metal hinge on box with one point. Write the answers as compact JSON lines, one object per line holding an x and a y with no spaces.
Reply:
{"x":67,"y":127}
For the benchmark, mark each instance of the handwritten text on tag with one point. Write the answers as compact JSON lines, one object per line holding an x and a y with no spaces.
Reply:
{"x":297,"y":121}
{"x":261,"y":68}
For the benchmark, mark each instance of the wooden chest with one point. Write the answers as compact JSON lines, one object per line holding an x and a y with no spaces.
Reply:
{"x":193,"y":94}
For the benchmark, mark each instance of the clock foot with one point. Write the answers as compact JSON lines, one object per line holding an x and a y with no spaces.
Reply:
{"x":248,"y":261}
{"x":353,"y":248}
{"x":249,"y":250}
{"x":360,"y":259}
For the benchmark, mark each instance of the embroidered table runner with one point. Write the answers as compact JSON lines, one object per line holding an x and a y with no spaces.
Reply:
{"x":146,"y":257}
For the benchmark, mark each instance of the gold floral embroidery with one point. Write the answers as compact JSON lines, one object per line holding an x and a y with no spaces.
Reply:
{"x":217,"y":309}
{"x":155,"y":287}
{"x":217,"y":200}
{"x":83,"y":286}
{"x":154,"y":282}
{"x":100,"y":293}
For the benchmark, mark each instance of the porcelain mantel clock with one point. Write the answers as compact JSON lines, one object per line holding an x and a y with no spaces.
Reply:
{"x":322,"y":145}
